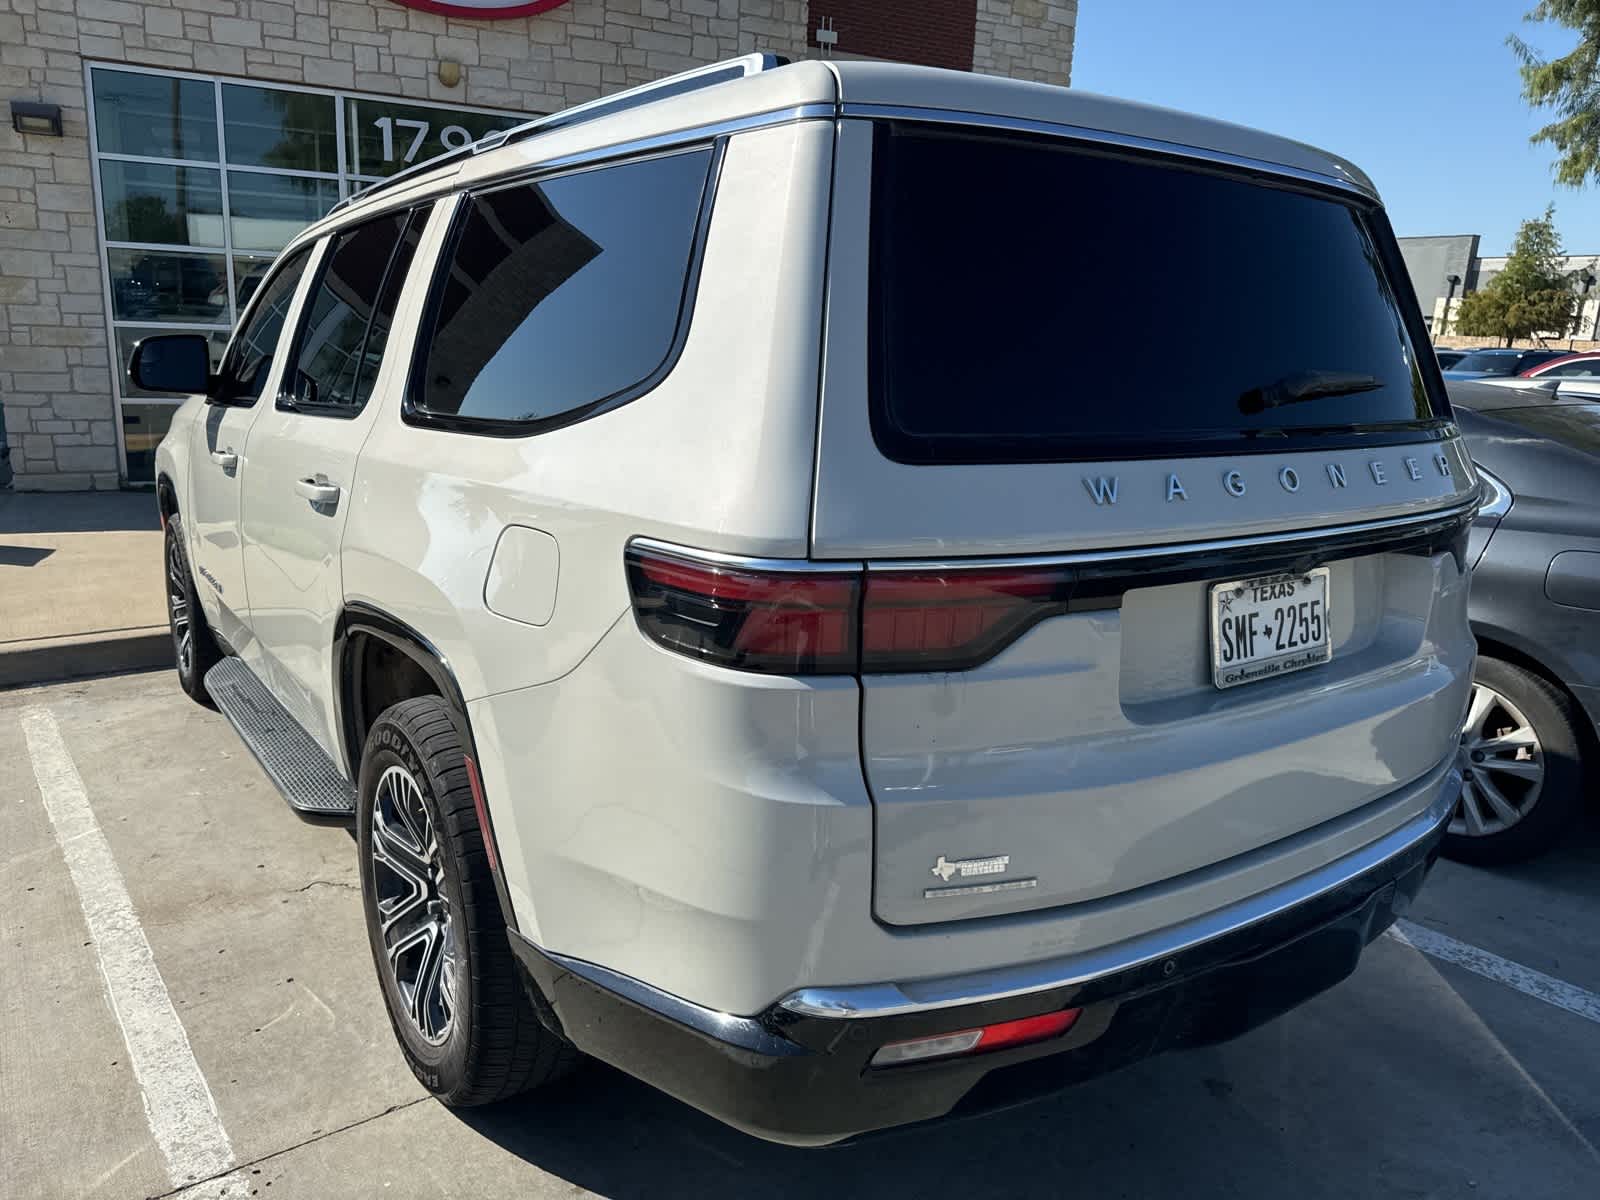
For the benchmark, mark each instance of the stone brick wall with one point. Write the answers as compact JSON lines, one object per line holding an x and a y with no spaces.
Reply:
{"x":1026,"y":39}
{"x":55,"y":365}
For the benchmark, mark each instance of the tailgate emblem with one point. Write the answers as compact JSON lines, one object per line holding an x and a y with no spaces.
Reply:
{"x":947,"y":869}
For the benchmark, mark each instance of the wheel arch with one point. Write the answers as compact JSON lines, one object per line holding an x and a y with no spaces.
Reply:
{"x":166,"y":496}
{"x":1494,"y":642}
{"x":412,"y":666}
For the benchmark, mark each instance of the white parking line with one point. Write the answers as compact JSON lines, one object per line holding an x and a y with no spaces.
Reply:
{"x":1526,"y":980}
{"x":178,"y":1105}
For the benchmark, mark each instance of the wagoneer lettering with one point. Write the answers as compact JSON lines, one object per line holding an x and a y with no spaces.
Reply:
{"x":610,"y":531}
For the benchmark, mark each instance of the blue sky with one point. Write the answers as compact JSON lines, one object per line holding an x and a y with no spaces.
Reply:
{"x":1422,"y":94}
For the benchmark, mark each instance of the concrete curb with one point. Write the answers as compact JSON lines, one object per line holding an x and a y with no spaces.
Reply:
{"x":41,"y":660}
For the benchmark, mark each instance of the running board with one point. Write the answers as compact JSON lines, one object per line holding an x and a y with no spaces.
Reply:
{"x":306,"y":776}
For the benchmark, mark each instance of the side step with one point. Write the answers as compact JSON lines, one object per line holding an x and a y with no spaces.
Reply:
{"x":301,"y":769}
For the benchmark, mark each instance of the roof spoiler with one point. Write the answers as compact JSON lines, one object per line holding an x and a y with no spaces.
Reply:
{"x":647,"y":93}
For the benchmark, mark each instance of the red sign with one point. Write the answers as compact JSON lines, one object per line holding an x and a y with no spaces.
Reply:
{"x":484,"y":10}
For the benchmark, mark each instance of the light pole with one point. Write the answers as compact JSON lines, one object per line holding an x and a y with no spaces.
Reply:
{"x":1444,"y":324}
{"x":1585,"y":282}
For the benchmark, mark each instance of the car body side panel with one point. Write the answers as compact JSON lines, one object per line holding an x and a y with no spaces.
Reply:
{"x":1548,"y":456}
{"x":432,"y":504}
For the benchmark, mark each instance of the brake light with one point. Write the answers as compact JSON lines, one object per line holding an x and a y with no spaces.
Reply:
{"x":977,"y":1041}
{"x":779,"y":622}
{"x":954,"y":619}
{"x":838,"y":622}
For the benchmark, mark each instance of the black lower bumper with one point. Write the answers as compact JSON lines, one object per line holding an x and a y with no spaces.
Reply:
{"x":806,"y":1080}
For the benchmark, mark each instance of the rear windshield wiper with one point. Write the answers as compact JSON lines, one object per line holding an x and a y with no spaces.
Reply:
{"x":1306,"y":385}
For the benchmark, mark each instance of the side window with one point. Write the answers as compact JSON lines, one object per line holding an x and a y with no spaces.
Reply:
{"x":249,"y":360}
{"x":1584,"y":369}
{"x":562,"y":294}
{"x":348,"y":314}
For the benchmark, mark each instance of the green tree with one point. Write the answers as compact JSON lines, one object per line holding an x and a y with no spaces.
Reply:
{"x":1570,"y":85}
{"x":1531,"y":295}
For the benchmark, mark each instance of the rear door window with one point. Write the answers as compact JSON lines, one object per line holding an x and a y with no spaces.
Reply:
{"x":560,"y":296}
{"x":1016,"y":282}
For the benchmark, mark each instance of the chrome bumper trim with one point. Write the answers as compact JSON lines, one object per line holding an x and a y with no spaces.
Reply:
{"x":869,"y":1000}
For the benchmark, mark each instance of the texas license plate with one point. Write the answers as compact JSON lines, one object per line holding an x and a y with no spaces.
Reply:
{"x":1266,"y":627}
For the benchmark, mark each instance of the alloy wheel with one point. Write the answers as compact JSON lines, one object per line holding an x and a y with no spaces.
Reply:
{"x":1502,"y":764}
{"x":413,"y":911}
{"x":178,"y":606}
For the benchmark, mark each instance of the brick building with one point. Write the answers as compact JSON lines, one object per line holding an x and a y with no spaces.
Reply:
{"x":159,"y":152}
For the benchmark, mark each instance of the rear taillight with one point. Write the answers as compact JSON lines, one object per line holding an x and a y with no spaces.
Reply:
{"x":953,"y":619}
{"x":779,"y":622}
{"x":793,"y":621}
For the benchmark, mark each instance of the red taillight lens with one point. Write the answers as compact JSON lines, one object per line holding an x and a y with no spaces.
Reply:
{"x":780,"y":622}
{"x":977,"y":1041}
{"x":827,"y":622}
{"x":954,"y":619}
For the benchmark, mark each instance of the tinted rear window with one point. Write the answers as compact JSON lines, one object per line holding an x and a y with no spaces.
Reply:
{"x":1018,"y":285}
{"x":562,"y":294}
{"x":1491,"y":364}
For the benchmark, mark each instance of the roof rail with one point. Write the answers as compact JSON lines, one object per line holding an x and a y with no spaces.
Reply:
{"x":647,"y":93}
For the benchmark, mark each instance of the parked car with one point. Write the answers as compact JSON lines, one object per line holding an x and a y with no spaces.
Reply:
{"x":1449,"y":358}
{"x":1530,"y":734}
{"x":1500,"y":362}
{"x":751,"y":661}
{"x":1585,"y":365}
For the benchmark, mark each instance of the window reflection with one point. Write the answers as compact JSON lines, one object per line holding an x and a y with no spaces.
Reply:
{"x":155,"y":116}
{"x":270,"y":127}
{"x":265,"y":211}
{"x":151,"y":202}
{"x":151,"y":285}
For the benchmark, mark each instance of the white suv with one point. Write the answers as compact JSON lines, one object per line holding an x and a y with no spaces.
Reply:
{"x":774,"y":633}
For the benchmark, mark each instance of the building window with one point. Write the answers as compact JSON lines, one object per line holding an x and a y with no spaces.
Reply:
{"x":199,"y":182}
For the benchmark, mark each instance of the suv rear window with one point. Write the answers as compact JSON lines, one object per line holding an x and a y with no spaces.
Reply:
{"x":1221,"y":312}
{"x":562,"y":295}
{"x":1491,"y":363}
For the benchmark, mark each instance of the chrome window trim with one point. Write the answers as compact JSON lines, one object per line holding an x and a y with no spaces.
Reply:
{"x":871,"y":1000}
{"x":1082,"y":558}
{"x":1103,"y":137}
{"x":740,"y":562}
{"x":661,"y":141}
{"x":1172,"y":549}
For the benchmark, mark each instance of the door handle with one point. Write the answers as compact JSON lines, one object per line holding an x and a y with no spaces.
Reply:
{"x":226,"y":459}
{"x":317,"y":492}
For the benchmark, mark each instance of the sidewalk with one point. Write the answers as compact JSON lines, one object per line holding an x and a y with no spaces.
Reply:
{"x":80,"y":585}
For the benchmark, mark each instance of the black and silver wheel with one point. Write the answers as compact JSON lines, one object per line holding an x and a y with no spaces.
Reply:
{"x":1521,"y":765}
{"x":434,"y":923}
{"x":194,"y":650}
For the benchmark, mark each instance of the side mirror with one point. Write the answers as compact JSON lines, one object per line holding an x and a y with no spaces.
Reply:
{"x":171,"y":362}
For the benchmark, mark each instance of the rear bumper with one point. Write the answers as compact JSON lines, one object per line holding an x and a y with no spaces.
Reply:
{"x":800,"y":1074}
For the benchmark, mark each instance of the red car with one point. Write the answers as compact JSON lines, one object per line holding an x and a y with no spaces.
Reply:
{"x":1568,"y":366}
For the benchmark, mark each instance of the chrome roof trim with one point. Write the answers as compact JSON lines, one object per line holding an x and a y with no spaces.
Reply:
{"x":869,"y":1000}
{"x":1125,"y":141}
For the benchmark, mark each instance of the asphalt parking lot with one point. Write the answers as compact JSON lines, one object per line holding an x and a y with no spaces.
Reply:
{"x":1418,"y":1077}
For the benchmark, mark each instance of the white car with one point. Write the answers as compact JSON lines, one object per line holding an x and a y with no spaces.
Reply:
{"x":763,"y":648}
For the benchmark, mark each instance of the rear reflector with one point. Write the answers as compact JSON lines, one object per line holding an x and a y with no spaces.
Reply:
{"x":827,"y":622}
{"x":977,"y":1041}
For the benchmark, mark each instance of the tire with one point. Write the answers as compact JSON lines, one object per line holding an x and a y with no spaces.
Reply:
{"x":194,"y":649}
{"x":1544,"y":808}
{"x":471,"y":1037}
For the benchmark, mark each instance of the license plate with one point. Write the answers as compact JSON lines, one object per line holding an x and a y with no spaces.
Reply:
{"x":1266,"y":627}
